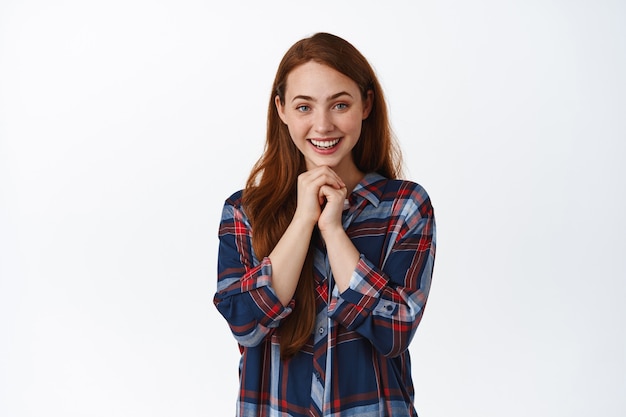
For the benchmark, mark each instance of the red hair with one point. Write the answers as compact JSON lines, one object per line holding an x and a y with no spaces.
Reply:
{"x":269,"y":198}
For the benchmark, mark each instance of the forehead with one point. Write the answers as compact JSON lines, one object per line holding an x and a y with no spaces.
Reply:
{"x":317,"y":80}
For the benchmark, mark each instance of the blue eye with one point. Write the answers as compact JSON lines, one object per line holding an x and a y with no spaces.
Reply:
{"x":341,"y":106}
{"x":303,"y":108}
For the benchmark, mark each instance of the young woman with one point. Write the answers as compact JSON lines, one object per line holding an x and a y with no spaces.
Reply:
{"x":326,"y":258}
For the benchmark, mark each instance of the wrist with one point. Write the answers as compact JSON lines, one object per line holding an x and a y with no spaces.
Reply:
{"x":331,"y":232}
{"x":303,"y":222}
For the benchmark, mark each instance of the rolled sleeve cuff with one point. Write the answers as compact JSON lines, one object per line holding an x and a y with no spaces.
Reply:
{"x":353,"y":305}
{"x":262,"y":300}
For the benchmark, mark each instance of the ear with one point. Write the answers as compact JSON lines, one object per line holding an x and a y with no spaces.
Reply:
{"x":280,"y":109}
{"x":368,"y":103}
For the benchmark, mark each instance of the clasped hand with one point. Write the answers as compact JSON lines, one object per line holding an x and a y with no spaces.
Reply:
{"x":321,"y":194}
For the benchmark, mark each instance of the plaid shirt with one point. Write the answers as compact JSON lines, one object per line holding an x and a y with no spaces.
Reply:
{"x":356,"y":362}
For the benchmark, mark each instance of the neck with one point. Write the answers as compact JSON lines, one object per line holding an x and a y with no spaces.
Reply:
{"x":350,"y":177}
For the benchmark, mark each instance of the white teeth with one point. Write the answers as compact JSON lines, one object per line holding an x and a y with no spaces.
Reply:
{"x":324,"y":144}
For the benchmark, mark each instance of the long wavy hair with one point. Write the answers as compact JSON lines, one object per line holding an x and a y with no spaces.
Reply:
{"x":269,"y":197}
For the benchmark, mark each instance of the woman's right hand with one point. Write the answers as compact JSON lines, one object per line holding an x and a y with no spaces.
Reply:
{"x":310,"y":197}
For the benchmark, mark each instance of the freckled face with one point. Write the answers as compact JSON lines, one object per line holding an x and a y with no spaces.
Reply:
{"x":323,"y":111}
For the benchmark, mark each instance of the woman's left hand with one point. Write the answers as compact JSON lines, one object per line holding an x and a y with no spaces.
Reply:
{"x":330,"y":218}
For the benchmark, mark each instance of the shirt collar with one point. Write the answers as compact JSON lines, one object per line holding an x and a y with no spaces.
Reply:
{"x":369,"y":188}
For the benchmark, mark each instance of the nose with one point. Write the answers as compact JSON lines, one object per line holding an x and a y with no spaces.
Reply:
{"x":323,"y":122}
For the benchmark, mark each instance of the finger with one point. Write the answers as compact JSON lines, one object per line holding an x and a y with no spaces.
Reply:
{"x":321,"y":197}
{"x":333,"y":194}
{"x":336,"y":182}
{"x":330,"y":177}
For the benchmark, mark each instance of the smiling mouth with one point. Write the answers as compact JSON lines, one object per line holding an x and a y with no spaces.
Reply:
{"x":324,"y":144}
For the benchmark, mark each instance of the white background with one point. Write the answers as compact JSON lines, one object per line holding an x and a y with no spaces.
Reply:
{"x":125,"y":124}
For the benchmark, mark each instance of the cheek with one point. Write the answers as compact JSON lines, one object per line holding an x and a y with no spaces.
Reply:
{"x":353,"y":124}
{"x":297,"y":136}
{"x":297,"y":130}
{"x":292,"y":131}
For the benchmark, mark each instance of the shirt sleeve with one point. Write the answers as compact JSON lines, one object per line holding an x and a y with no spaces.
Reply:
{"x":385,"y":303}
{"x":245,"y":296}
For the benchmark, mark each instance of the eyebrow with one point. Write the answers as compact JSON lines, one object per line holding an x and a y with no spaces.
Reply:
{"x":334,"y":96}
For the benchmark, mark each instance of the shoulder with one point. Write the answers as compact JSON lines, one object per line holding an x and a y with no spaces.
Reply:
{"x":393,"y":189}
{"x":235,"y":199}
{"x":405,"y":193}
{"x":233,"y":207}
{"x":233,"y":211}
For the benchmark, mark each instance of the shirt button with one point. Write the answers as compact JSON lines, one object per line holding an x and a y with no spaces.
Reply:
{"x":321,"y":330}
{"x":389,"y":307}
